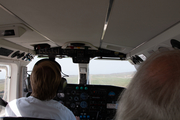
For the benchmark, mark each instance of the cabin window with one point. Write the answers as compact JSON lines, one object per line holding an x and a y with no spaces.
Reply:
{"x":111,"y":72}
{"x":4,"y":82}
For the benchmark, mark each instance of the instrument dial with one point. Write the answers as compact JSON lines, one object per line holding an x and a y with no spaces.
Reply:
{"x":84,"y":96}
{"x":76,"y":98}
{"x":83,"y":104}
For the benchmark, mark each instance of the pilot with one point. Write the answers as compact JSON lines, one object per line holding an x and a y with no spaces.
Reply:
{"x":45,"y":80}
{"x":154,"y":92}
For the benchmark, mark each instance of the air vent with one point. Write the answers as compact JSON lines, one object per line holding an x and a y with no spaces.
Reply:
{"x":11,"y":31}
{"x":7,"y":32}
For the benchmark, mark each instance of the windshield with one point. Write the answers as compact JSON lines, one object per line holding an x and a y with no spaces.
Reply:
{"x":101,"y":72}
{"x":111,"y":72}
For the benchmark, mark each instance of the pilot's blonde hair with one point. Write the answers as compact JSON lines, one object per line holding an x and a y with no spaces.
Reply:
{"x":154,"y":92}
{"x":45,"y":79}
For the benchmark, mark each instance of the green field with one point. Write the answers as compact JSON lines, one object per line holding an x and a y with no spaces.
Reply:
{"x":123,"y":82}
{"x":1,"y":84}
{"x":1,"y":87}
{"x":72,"y":79}
{"x":118,"y":79}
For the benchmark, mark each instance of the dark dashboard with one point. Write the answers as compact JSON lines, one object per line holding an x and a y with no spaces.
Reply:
{"x":91,"y":102}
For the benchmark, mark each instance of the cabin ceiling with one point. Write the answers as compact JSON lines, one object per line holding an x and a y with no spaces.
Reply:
{"x":133,"y":22}
{"x":56,"y":22}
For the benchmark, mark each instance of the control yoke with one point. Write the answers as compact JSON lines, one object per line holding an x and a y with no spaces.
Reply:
{"x":3,"y":102}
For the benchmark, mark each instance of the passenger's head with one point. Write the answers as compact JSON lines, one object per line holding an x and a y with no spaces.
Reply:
{"x":45,"y":79}
{"x":154,"y":92}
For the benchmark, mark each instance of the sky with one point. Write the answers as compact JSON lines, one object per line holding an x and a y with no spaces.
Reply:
{"x":2,"y":74}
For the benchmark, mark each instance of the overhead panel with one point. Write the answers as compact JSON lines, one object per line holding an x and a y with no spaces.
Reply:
{"x":9,"y":21}
{"x":134,"y":22}
{"x":65,"y":20}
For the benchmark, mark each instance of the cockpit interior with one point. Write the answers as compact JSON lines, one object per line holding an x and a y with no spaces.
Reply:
{"x":83,"y":31}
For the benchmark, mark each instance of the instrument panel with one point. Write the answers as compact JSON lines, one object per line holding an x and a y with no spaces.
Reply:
{"x":91,"y":102}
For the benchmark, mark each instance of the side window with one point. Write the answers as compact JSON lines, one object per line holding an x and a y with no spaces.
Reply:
{"x":4,"y":81}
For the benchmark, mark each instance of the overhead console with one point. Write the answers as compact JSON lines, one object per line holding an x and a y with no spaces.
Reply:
{"x":80,"y":54}
{"x":91,"y":102}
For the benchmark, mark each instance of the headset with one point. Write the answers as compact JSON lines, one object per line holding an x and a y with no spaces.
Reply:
{"x":63,"y":82}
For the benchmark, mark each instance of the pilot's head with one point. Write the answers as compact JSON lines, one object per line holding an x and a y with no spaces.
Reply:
{"x":45,"y":79}
{"x":154,"y":92}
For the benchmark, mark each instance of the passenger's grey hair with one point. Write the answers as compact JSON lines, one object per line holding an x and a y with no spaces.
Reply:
{"x":154,"y":92}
